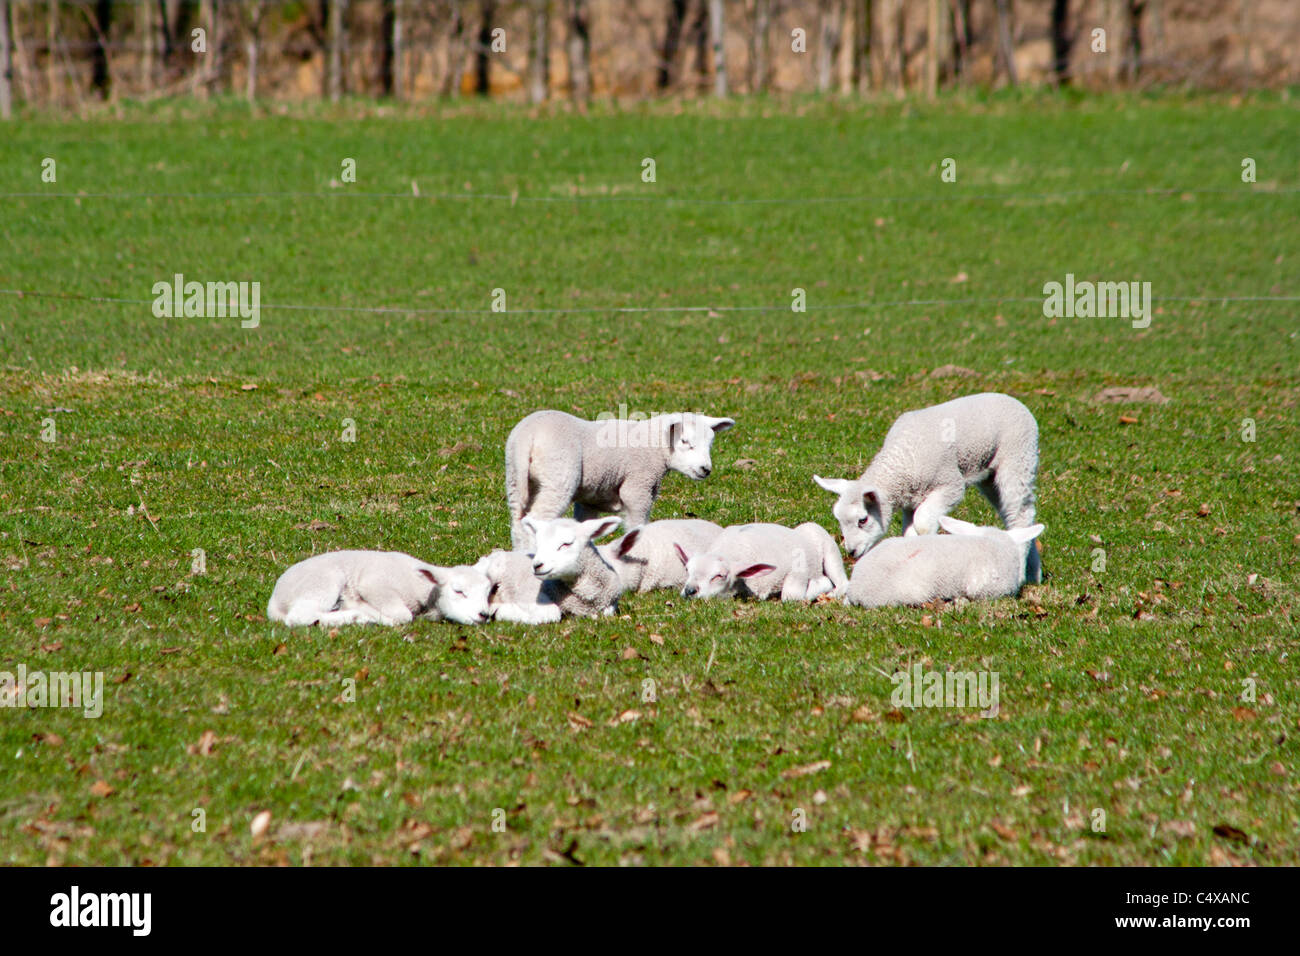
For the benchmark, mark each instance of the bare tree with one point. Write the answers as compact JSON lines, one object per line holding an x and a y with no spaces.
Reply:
{"x":450,"y":85}
{"x":863,"y":27}
{"x":539,"y":50}
{"x":718,"y":40}
{"x":668,"y":51}
{"x":578,"y":49}
{"x":100,"y":27}
{"x":483,"y":55}
{"x":828,"y":46}
{"x":6,"y":64}
{"x":963,"y":37}
{"x":759,"y":52}
{"x":1061,"y":41}
{"x":336,"y":33}
{"x":253,"y":13}
{"x":1006,"y":45}
{"x":900,"y":45}
{"x":1133,"y":49}
{"x":390,"y":47}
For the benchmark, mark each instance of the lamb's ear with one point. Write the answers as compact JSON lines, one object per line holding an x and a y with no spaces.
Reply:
{"x":836,"y":486}
{"x":681,"y":553}
{"x":957,"y":526}
{"x":437,"y":575}
{"x":871,"y":499}
{"x":599,"y":527}
{"x":1022,"y":535}
{"x":673,"y":431}
{"x":628,"y":541}
{"x":530,"y":524}
{"x":754,"y":570}
{"x":720,"y":424}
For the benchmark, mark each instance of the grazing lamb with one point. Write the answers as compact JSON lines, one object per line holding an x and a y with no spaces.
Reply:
{"x":376,"y":587}
{"x":928,"y":459}
{"x":761,"y":560}
{"x":554,"y":459}
{"x":565,"y":575}
{"x":968,"y":562}
{"x":645,"y":558}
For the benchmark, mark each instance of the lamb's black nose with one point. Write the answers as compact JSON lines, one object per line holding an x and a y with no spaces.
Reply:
{"x":690,"y":590}
{"x":708,"y":470}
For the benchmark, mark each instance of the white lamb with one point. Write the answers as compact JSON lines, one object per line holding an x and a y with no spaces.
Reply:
{"x":928,"y":459}
{"x":762,"y":560}
{"x":978,"y":563}
{"x":565,"y":575}
{"x":645,"y":558}
{"x":554,"y":460}
{"x":376,"y":587}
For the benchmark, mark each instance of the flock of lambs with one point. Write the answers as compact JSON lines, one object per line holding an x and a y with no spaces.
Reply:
{"x":555,"y":568}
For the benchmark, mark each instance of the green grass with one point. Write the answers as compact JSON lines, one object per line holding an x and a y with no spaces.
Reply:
{"x":1120,"y":689}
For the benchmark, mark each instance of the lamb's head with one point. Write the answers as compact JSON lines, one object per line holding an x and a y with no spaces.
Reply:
{"x":463,"y":593}
{"x":860,"y":512}
{"x":689,"y":439}
{"x":1023,"y":538}
{"x":710,"y":575}
{"x":561,"y":542}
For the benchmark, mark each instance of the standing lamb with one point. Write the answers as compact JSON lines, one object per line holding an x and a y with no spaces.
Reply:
{"x":376,"y":587}
{"x":566,"y":574}
{"x":968,"y":562}
{"x":554,"y":460}
{"x":762,"y":560}
{"x":645,"y":558}
{"x":928,"y":459}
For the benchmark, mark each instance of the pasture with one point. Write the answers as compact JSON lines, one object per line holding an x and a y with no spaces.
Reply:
{"x":1152,"y":677}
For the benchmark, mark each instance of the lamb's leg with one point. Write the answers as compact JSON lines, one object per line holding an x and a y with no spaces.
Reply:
{"x":637,"y":502}
{"x":549,"y":501}
{"x":356,"y":614}
{"x":1017,"y":506}
{"x":795,"y":586}
{"x":937,"y":503}
{"x":833,"y":568}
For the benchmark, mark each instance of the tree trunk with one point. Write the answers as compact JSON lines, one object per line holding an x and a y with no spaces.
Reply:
{"x":1133,"y":50}
{"x":900,"y":45}
{"x":579,"y":52}
{"x":99,"y":77}
{"x":390,"y":36}
{"x":828,"y":47}
{"x":935,"y":44}
{"x":6,"y":64}
{"x":962,"y":38}
{"x":673,"y":27}
{"x":1006,"y":43}
{"x":1061,"y":41}
{"x":335,"y":31}
{"x":539,"y":51}
{"x":256,"y":11}
{"x":450,"y":86}
{"x":759,"y":62}
{"x":718,"y":40}
{"x":863,"y":16}
{"x":483,"y":59}
{"x":144,"y":27}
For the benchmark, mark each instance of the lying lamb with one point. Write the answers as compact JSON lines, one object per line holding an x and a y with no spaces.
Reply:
{"x":565,"y":575}
{"x":761,"y":560}
{"x":554,"y":459}
{"x":970,"y":562}
{"x":376,"y":587}
{"x":928,"y":459}
{"x":645,"y":558}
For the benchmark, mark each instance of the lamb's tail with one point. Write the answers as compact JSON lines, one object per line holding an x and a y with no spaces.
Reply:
{"x":518,"y":452}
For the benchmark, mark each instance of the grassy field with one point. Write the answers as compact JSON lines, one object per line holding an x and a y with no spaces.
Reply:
{"x":1121,"y":677}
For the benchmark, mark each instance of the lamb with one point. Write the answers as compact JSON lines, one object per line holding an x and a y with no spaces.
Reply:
{"x":761,"y":560}
{"x":978,"y":563}
{"x":565,"y":575}
{"x":376,"y":587}
{"x":609,"y":465}
{"x":928,"y":459}
{"x":645,"y":558}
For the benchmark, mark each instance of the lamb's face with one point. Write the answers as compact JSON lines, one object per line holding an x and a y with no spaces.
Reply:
{"x":560,"y":543}
{"x":707,"y":576}
{"x":690,"y":443}
{"x":858,"y":511}
{"x":463,"y":595}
